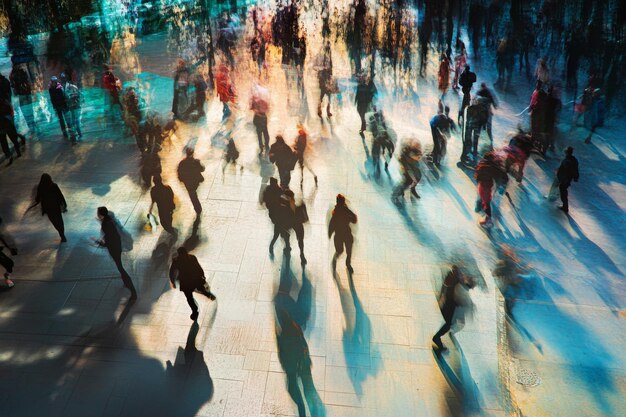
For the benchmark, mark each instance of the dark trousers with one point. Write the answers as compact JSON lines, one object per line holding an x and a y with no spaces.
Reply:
{"x":191,"y":301}
{"x":117,"y":258}
{"x":7,"y":128}
{"x":362,"y":112}
{"x":281,"y":231}
{"x":61,"y":115}
{"x":285,"y":176}
{"x":193,"y":195}
{"x":444,"y":329}
{"x":436,"y":146}
{"x":56,"y":218}
{"x":342,"y":242}
{"x":260,"y":123}
{"x":563,"y":191}
{"x":166,"y":218}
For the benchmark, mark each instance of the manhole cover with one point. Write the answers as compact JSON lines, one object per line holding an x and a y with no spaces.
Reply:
{"x":527,"y":378}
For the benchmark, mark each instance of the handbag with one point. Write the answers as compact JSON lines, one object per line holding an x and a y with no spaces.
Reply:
{"x":553,"y":194}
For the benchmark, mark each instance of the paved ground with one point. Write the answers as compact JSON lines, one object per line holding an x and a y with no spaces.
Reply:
{"x":72,"y":345}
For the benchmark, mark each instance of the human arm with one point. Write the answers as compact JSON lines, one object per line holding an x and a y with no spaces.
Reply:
{"x":62,"y":200}
{"x":172,"y":274}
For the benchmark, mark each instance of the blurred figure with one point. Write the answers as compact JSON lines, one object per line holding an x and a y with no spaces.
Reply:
{"x":59,"y":103}
{"x":450,"y":299}
{"x":187,"y":270}
{"x":272,"y":198}
{"x":52,"y":202}
{"x":260,"y":104}
{"x":542,"y":72}
{"x":409,"y":159}
{"x":299,"y":216}
{"x":491,"y":102}
{"x":443,"y":75}
{"x":163,"y":196}
{"x":339,"y":224}
{"x":23,"y":88}
{"x":460,"y":60}
{"x":72,"y":98}
{"x":300,"y":147}
{"x":284,"y":158}
{"x":225,"y":90}
{"x":190,"y":174}
{"x":327,"y":83}
{"x":441,"y":126}
{"x":7,"y":124}
{"x":113,"y":86}
{"x":382,"y":144}
{"x":489,"y":172}
{"x":466,"y":81}
{"x":6,"y":262}
{"x":567,"y":172}
{"x":112,"y":240}
{"x":182,"y":79}
{"x":365,"y":93}
{"x":200,"y":87}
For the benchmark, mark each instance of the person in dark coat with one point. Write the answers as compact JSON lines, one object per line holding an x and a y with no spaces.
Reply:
{"x":187,"y":270}
{"x":7,"y":128}
{"x":112,"y":240}
{"x":284,"y":158}
{"x":365,"y":93}
{"x":489,"y":172}
{"x":22,"y":86}
{"x":567,"y":172}
{"x":182,"y":80}
{"x":466,"y":81}
{"x":491,"y":102}
{"x":272,"y":200}
{"x":52,"y":202}
{"x":163,"y":196}
{"x":300,"y":147}
{"x":59,"y":103}
{"x":190,"y":174}
{"x":339,"y":224}
{"x":441,"y":126}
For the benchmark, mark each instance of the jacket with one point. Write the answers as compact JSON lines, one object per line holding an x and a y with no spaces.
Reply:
{"x":568,"y":170}
{"x":57,"y":95}
{"x":188,"y":271}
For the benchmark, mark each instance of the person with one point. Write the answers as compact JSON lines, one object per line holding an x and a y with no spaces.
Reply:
{"x":7,"y":128}
{"x":190,"y":174}
{"x":52,"y":202}
{"x":180,"y":102}
{"x":284,"y":158}
{"x":72,"y":98}
{"x":542,"y":72}
{"x":475,"y":120}
{"x":187,"y":270}
{"x":460,"y":60}
{"x":272,"y":198}
{"x":441,"y":126}
{"x":488,"y":172}
{"x":112,"y":240}
{"x":325,"y":79}
{"x":408,"y":159}
{"x":491,"y":102}
{"x":300,"y":147}
{"x":163,"y":196}
{"x":382,"y":143}
{"x":200,"y":87}
{"x":6,"y":262}
{"x":365,"y":93}
{"x":466,"y":81}
{"x":339,"y":225}
{"x":449,"y":301}
{"x":225,"y":90}
{"x":594,"y":117}
{"x":299,"y":216}
{"x":567,"y":172}
{"x":113,"y":86}
{"x":517,"y":153}
{"x":260,"y":104}
{"x":443,"y":75}
{"x":59,"y":103}
{"x":22,"y":86}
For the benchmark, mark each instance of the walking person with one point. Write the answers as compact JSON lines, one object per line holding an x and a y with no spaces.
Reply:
{"x":276,"y":207}
{"x":325,"y":79}
{"x":567,"y":172}
{"x":300,"y":147}
{"x":5,"y":261}
{"x":113,"y":86}
{"x":260,"y":105}
{"x":441,"y":126}
{"x":284,"y":158}
{"x":52,"y":202}
{"x":225,"y":90}
{"x":339,"y":225}
{"x":365,"y":93}
{"x":489,"y":172}
{"x":187,"y":270}
{"x":298,"y":216}
{"x":163,"y":196}
{"x":200,"y":87}
{"x":22,"y":86}
{"x":491,"y":102}
{"x":112,"y":240}
{"x":409,"y":167}
{"x":7,"y":128}
{"x":466,"y":81}
{"x":443,"y":75}
{"x":59,"y":103}
{"x":190,"y":174}
{"x":73,"y":100}
{"x":182,"y":79}
{"x":450,"y":301}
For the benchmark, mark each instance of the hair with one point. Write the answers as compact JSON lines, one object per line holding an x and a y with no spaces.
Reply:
{"x":103,"y":211}
{"x":189,"y":151}
{"x":182,"y":251}
{"x":279,"y":138}
{"x":569,"y":150}
{"x":273,"y":181}
{"x":45,"y":180}
{"x":446,"y":109}
{"x":341,"y":199}
{"x":157,"y":179}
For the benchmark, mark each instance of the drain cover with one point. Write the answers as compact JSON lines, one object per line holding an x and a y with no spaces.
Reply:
{"x":527,"y":378}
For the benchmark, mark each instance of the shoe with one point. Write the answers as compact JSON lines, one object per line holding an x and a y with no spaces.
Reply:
{"x":315,"y":179}
{"x":350,"y":269}
{"x":8,"y":283}
{"x":302,"y":259}
{"x":486,"y":222}
{"x":194,"y":316}
{"x":439,"y":344}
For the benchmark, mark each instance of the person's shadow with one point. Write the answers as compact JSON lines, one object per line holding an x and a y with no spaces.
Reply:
{"x":293,"y":350}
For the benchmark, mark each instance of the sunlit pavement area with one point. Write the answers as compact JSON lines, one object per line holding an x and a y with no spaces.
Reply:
{"x":71,"y":343}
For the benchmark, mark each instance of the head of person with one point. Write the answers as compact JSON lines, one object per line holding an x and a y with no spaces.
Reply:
{"x":157,"y":180}
{"x":54,"y":80}
{"x":467,"y":68}
{"x":189,"y":151}
{"x":182,"y":251}
{"x":569,"y":151}
{"x":63,"y":77}
{"x":446,"y":110}
{"x":273,"y":182}
{"x":289,"y":194}
{"x":280,"y":139}
{"x":45,"y":180}
{"x":341,"y":200}
{"x":102,"y":212}
{"x":483,"y":86}
{"x":539,"y":85}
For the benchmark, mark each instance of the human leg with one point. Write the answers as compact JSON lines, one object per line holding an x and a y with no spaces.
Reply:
{"x":56,"y":218}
